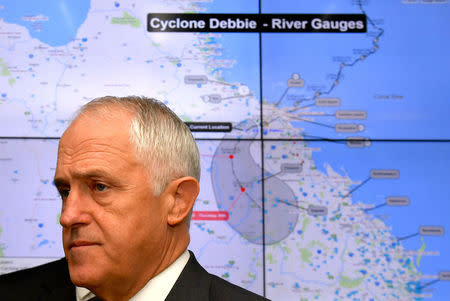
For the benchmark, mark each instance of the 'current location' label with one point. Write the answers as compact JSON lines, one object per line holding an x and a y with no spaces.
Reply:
{"x":210,"y":126}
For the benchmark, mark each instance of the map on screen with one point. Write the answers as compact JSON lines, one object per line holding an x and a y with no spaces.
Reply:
{"x":323,"y":154}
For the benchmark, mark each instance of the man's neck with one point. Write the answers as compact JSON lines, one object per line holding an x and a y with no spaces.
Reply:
{"x":156,"y":289}
{"x":124,"y":289}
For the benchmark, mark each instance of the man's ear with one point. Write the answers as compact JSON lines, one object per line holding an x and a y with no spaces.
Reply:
{"x":182,"y":193}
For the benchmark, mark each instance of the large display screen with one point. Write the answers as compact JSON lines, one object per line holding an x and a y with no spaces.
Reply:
{"x":323,"y":131}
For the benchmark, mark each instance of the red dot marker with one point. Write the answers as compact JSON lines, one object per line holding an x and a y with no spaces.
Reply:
{"x":231,"y":156}
{"x":242,"y":189}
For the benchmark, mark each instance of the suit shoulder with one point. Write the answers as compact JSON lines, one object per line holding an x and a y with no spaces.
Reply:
{"x":195,"y":283}
{"x":38,"y":283}
{"x":54,"y":269}
{"x":33,"y":279}
{"x":223,"y":290}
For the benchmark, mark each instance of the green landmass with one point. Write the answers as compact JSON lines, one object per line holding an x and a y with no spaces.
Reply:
{"x":5,"y":72}
{"x":314,"y":243}
{"x":186,"y":118}
{"x":419,"y":256}
{"x":347,"y":282}
{"x":412,"y":268}
{"x":286,"y":249}
{"x":306,"y":222}
{"x":306,"y":255}
{"x":127,"y":19}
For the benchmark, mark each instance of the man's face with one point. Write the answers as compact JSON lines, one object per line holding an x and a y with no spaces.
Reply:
{"x":113,"y":226}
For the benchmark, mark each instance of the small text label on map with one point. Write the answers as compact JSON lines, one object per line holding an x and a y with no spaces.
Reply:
{"x":431,"y":230}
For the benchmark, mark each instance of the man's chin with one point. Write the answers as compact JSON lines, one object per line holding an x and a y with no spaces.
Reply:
{"x":84,"y":271}
{"x":88,"y":277}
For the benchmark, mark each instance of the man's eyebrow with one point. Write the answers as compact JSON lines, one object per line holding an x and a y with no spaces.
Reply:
{"x":94,"y":173}
{"x":60,"y":182}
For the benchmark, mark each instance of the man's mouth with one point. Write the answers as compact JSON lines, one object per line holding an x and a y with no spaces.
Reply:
{"x":81,"y":243}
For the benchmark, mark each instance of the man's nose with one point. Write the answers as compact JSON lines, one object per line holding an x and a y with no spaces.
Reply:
{"x":74,"y":210}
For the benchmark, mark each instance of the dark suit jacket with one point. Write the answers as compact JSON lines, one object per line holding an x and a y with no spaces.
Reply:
{"x":51,"y":282}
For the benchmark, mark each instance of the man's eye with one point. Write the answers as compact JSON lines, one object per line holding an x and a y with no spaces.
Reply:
{"x":100,"y":187}
{"x":64,"y":193}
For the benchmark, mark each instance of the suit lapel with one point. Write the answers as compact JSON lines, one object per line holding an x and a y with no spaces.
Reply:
{"x":193,"y":283}
{"x":61,"y":293}
{"x":58,"y":286}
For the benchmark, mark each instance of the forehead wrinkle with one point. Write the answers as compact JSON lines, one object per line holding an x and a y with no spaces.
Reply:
{"x":100,"y":166}
{"x":95,"y":144}
{"x":116,"y":123}
{"x":97,"y":159}
{"x":93,"y":148}
{"x":91,"y":142}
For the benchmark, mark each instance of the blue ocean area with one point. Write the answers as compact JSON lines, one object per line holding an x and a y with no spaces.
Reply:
{"x":310,"y":55}
{"x":399,"y":86}
{"x":312,"y":7}
{"x":423,"y":177}
{"x":64,"y":18}
{"x":244,"y":49}
{"x":232,"y":6}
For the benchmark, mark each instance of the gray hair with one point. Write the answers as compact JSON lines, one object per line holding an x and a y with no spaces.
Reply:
{"x":163,"y":143}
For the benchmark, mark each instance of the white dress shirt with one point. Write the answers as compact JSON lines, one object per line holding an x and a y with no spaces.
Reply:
{"x":156,"y":289}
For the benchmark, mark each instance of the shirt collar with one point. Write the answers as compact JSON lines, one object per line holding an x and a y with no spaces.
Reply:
{"x":156,"y":289}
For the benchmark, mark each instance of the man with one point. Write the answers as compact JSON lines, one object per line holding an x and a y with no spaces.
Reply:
{"x":127,"y":172}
